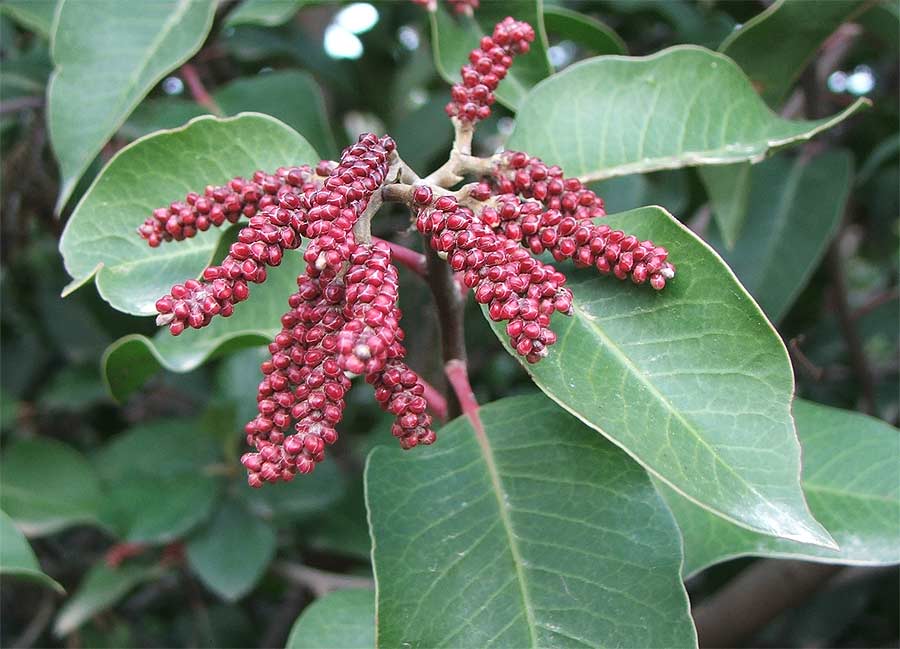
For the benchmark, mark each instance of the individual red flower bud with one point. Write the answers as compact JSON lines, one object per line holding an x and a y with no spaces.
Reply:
{"x":227,"y":204}
{"x":471,"y":100}
{"x":515,"y":286}
{"x":373,"y":319}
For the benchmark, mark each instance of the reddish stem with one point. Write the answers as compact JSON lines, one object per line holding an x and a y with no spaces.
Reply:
{"x":198,"y":90}
{"x":436,"y":401}
{"x":122,"y":551}
{"x":414,"y":261}
{"x":458,"y":375}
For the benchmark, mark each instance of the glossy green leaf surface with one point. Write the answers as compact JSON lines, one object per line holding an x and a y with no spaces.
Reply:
{"x":32,"y":14}
{"x":158,"y":480}
{"x":775,"y":46}
{"x":100,"y":240}
{"x":17,"y":559}
{"x":691,"y":381}
{"x":46,"y":485}
{"x":101,"y":588}
{"x":588,"y":32}
{"x":532,"y":532}
{"x":291,"y":96}
{"x":453,"y":37}
{"x":344,"y":619}
{"x":684,"y":106}
{"x":728,"y":188}
{"x":850,"y":468}
{"x":794,"y":207}
{"x":266,"y":13}
{"x":231,"y":552}
{"x":108,"y":56}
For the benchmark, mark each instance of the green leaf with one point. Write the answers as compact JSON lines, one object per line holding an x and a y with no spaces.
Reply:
{"x":36,"y":15}
{"x":453,"y":37}
{"x":344,"y":619}
{"x":685,"y":106}
{"x":100,"y":239}
{"x":588,"y":32}
{"x":157,"y":114}
{"x":46,"y":485}
{"x":17,"y":558}
{"x":131,"y":360}
{"x":107,"y":58}
{"x":692,"y":381}
{"x":291,"y":96}
{"x":158,"y":480}
{"x":728,"y":188}
{"x":532,"y":532}
{"x":850,"y":468}
{"x":100,"y":589}
{"x":796,"y":207}
{"x":231,"y":552}
{"x":776,"y":45}
{"x":266,"y":13}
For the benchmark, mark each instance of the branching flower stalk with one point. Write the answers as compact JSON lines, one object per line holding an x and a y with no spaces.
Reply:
{"x":343,"y":321}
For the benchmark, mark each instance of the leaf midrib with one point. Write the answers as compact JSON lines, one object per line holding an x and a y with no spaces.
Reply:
{"x":487,"y":453}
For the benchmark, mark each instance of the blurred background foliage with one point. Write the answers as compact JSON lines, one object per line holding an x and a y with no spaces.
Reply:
{"x":151,"y":483}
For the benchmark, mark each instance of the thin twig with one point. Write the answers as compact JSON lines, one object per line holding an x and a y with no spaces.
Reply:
{"x":407,"y":257}
{"x":20,"y":103}
{"x":198,"y":90}
{"x":318,"y":581}
{"x":858,"y":359}
{"x":753,"y":598}
{"x":437,"y":403}
{"x":458,"y":374}
{"x":38,"y":623}
{"x":450,"y":308}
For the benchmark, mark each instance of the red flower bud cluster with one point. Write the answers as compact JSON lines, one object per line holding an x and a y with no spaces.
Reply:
{"x":517,"y":173}
{"x":261,"y":243}
{"x":488,"y":64}
{"x":183,"y":219}
{"x":303,"y":384}
{"x":562,"y":222}
{"x":400,"y":392}
{"x":517,"y":288}
{"x":332,"y":318}
{"x":566,"y":237}
{"x":331,"y":212}
{"x":373,"y":319}
{"x":325,"y":210}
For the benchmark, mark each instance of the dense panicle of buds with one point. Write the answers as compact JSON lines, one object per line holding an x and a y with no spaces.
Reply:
{"x":587,"y":244}
{"x":400,"y":392}
{"x":517,"y":173}
{"x":260,"y":244}
{"x":488,"y":64}
{"x":227,"y":204}
{"x":373,"y":319}
{"x":517,"y":288}
{"x":303,"y":384}
{"x":331,"y":212}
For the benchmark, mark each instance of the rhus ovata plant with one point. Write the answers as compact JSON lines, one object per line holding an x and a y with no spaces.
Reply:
{"x":634,"y":421}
